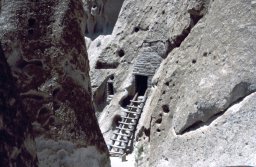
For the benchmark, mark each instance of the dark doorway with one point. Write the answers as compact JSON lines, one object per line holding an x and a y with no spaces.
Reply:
{"x":110,"y":88}
{"x":126,"y":101}
{"x":141,"y":84}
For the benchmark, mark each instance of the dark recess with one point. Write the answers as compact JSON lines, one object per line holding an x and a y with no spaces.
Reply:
{"x":110,"y":89}
{"x":115,"y":120}
{"x":104,"y":65}
{"x":136,"y":29}
{"x":141,"y":84}
{"x":166,"y":108}
{"x":120,"y":52}
{"x":126,"y":101}
{"x":31,"y":22}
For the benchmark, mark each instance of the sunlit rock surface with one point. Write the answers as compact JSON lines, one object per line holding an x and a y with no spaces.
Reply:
{"x":44,"y":45}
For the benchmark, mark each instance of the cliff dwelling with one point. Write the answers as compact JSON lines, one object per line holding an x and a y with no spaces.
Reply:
{"x":127,"y":83}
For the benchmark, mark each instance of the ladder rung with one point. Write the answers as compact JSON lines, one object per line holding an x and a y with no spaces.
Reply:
{"x":129,"y":117}
{"x":132,"y":112}
{"x":125,"y":129}
{"x":110,"y":81}
{"x":134,"y":106}
{"x":135,"y":101}
{"x":124,"y":141}
{"x":115,"y":152}
{"x":126,"y":123}
{"x":122,"y":134}
{"x":121,"y":147}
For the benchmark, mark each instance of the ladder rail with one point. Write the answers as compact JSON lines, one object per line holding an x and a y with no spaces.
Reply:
{"x":123,"y":133}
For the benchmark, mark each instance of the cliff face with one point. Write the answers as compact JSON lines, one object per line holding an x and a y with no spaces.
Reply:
{"x":17,"y":146}
{"x":204,"y":103}
{"x":200,"y":105}
{"x":43,"y":42}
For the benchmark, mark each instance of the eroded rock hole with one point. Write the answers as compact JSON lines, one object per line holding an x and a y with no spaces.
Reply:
{"x":105,"y":65}
{"x":147,"y":132}
{"x":30,"y":32}
{"x":31,"y":22}
{"x":120,"y":52}
{"x":56,"y":91}
{"x":159,"y":120}
{"x":43,"y":115}
{"x":31,"y":26}
{"x":166,"y":108}
{"x":205,"y":54}
{"x":141,"y":84}
{"x":136,"y":29}
{"x":194,"y":61}
{"x":126,"y":101}
{"x":110,"y":87}
{"x":115,"y":121}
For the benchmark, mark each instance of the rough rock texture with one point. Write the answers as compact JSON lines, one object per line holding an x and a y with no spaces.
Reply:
{"x":45,"y":48}
{"x":211,"y":71}
{"x":17,"y":146}
{"x":118,"y":56}
{"x":101,"y":16}
{"x":226,"y":141}
{"x":208,"y":66}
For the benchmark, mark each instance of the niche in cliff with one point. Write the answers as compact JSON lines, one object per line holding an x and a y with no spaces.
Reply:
{"x":101,"y":17}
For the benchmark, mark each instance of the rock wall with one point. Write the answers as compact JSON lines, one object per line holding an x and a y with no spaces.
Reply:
{"x":206,"y":76}
{"x":44,"y":45}
{"x":101,"y":16}
{"x":17,"y":146}
{"x":201,"y":102}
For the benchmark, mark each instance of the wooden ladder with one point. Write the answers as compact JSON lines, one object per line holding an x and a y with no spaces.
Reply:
{"x":123,"y":133}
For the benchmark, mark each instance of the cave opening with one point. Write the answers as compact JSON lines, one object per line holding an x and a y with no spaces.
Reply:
{"x":141,"y":84}
{"x":110,"y":86}
{"x":126,"y":101}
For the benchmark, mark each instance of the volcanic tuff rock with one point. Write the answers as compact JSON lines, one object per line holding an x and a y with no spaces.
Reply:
{"x":44,"y":45}
{"x":191,"y":117}
{"x":212,"y":70}
{"x":17,"y":146}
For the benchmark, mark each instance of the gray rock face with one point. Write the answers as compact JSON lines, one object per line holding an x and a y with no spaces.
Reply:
{"x":210,"y":72}
{"x":44,"y":45}
{"x":208,"y":66}
{"x":226,"y":141}
{"x":101,"y":16}
{"x":17,"y":146}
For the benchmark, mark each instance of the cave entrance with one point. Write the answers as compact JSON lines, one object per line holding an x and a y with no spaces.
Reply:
{"x":110,"y":86}
{"x":141,"y":84}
